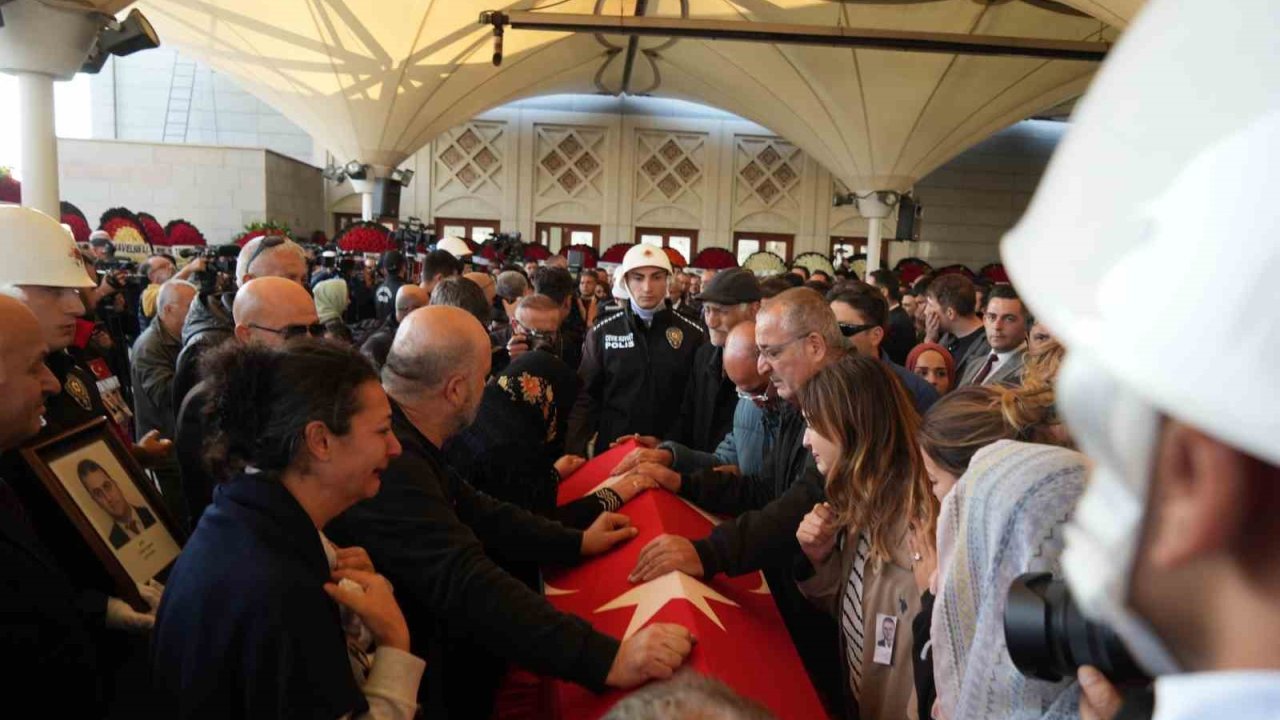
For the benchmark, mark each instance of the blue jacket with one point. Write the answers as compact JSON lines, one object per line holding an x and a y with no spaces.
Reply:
{"x":245,"y":628}
{"x":744,"y":445}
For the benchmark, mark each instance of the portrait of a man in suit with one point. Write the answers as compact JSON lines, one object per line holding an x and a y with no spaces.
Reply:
{"x":887,"y":630}
{"x":128,"y":521}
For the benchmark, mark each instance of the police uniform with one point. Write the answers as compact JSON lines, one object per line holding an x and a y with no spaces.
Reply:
{"x":633,"y":376}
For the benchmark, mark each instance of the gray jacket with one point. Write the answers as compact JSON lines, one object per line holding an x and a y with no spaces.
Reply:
{"x":743,"y":446}
{"x":155,"y":360}
{"x":1009,"y":372}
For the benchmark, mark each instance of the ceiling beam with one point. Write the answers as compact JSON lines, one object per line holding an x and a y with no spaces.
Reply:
{"x":794,"y":34}
{"x":633,"y":45}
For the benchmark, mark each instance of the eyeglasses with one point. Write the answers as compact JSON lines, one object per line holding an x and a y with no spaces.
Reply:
{"x":771,"y":354}
{"x":849,"y":330}
{"x":289,"y":332}
{"x":551,"y":337}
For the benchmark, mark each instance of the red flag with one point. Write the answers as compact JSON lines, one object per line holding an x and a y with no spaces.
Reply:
{"x":742,"y":640}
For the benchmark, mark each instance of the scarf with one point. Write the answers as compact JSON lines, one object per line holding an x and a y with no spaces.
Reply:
{"x":331,"y":299}
{"x":1004,"y":518}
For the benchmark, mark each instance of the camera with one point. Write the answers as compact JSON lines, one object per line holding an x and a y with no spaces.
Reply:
{"x":108,"y":270}
{"x":219,"y":267}
{"x":1049,"y":638}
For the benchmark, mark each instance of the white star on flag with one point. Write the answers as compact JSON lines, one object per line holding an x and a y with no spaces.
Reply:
{"x":652,"y":596}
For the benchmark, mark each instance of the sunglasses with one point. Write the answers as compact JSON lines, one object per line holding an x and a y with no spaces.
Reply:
{"x":289,"y":332}
{"x":849,"y":330}
{"x":267,"y":242}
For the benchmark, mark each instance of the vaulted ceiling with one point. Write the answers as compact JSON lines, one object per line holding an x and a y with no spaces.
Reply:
{"x":376,"y":80}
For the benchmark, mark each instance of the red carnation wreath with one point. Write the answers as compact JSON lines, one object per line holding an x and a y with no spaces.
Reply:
{"x":72,"y":217}
{"x":10,"y":188}
{"x":153,"y":230}
{"x":364,"y":237}
{"x":258,"y":229}
{"x":182,"y":233}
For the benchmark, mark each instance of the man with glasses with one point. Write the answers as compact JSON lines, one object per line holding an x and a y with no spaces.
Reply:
{"x":269,"y":311}
{"x":862,"y":314}
{"x":210,"y":321}
{"x":535,"y":326}
{"x":636,"y":362}
{"x":797,"y":336}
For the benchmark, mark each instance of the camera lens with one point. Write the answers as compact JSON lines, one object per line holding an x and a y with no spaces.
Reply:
{"x":1049,"y":638}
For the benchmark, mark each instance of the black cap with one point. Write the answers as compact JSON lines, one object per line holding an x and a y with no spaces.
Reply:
{"x":392,"y":260}
{"x":731,"y":287}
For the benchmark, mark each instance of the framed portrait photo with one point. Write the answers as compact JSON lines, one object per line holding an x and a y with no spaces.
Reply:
{"x":109,"y":499}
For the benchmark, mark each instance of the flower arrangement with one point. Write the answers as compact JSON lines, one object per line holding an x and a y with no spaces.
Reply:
{"x":259,"y":229}
{"x":153,"y":230}
{"x":10,"y":188}
{"x":909,"y":269}
{"x":714,"y":258}
{"x":364,"y":237}
{"x":116,"y":219}
{"x":182,"y":233}
{"x":72,"y":217}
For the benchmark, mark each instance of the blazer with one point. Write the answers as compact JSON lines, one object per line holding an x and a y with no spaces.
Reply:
{"x":119,"y":538}
{"x":889,"y":588}
{"x":1009,"y":372}
{"x":975,"y":353}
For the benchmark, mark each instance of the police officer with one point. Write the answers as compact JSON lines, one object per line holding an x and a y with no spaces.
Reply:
{"x":636,"y":361}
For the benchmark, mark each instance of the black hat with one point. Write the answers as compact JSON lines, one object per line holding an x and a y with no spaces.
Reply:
{"x":731,"y":287}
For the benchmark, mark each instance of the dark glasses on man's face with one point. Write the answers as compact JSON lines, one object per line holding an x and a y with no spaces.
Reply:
{"x":289,"y":332}
{"x":849,"y":330}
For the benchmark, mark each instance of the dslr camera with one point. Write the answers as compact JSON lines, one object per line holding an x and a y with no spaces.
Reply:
{"x":219,"y":266}
{"x":1049,"y":638}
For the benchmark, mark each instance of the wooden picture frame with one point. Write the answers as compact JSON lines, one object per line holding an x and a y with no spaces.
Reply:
{"x":107,"y":496}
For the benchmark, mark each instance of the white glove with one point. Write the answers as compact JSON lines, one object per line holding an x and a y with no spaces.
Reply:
{"x":122,"y":616}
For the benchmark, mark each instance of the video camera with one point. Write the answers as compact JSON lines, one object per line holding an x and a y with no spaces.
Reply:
{"x":110,"y":271}
{"x":219,"y":266}
{"x":1050,"y":639}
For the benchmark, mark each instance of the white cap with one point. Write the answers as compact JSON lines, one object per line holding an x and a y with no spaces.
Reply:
{"x":456,"y":247}
{"x":642,"y":255}
{"x":38,"y":250}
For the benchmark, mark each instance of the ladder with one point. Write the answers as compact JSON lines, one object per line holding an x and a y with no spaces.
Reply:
{"x":177,"y":115}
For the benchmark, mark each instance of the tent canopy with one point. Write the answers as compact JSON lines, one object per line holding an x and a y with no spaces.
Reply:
{"x":375,"y":80}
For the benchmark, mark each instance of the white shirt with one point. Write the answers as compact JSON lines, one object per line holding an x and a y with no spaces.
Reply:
{"x":1001,"y":359}
{"x":1238,"y":695}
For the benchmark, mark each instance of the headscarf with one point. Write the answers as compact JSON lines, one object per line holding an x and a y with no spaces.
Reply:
{"x":1004,"y":518}
{"x":947,"y":360}
{"x":331,"y":299}
{"x":510,"y":450}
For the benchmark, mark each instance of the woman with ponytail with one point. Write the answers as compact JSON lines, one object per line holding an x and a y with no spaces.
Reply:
{"x":263,"y":616}
{"x":862,"y":433}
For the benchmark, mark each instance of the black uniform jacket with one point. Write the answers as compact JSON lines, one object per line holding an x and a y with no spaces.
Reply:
{"x":426,"y":531}
{"x":710,"y":400}
{"x":633,"y":377}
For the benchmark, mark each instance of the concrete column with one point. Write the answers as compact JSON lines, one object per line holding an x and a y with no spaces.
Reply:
{"x":875,"y":207}
{"x":39,"y":143}
{"x":873,"y":246}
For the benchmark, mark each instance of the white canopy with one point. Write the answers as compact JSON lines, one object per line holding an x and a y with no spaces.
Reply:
{"x":375,"y":80}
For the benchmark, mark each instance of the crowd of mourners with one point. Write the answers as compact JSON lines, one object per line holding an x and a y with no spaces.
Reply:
{"x":362,"y":465}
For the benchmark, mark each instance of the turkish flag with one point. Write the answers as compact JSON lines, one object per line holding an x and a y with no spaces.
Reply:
{"x":741,"y":637}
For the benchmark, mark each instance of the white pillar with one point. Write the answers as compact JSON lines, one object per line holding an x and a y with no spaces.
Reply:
{"x":39,"y":143}
{"x":366,"y":206}
{"x":873,"y":246}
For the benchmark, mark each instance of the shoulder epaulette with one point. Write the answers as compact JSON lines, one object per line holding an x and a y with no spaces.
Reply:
{"x":687,"y":321}
{"x":610,"y":318}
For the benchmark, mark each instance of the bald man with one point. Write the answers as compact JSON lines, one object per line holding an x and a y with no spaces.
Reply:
{"x":486,"y":283}
{"x":756,"y":418}
{"x":269,"y":311}
{"x":210,"y":321}
{"x":428,"y":532}
{"x":408,"y":298}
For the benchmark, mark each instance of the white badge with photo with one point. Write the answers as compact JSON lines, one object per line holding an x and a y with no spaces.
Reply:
{"x":886,"y":634}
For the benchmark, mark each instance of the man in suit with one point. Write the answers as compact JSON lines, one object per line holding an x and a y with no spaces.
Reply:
{"x":951,"y":321}
{"x":1005,"y":321}
{"x":129,"y":521}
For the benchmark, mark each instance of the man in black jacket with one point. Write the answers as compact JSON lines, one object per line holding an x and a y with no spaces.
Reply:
{"x":209,"y":321}
{"x":798,"y":336}
{"x":901,"y":327}
{"x":710,"y":399}
{"x":384,"y":298}
{"x":427,"y":531}
{"x":636,"y":362}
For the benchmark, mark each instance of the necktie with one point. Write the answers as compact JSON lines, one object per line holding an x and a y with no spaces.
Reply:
{"x":986,"y":369}
{"x":851,"y":622}
{"x":133,"y":527}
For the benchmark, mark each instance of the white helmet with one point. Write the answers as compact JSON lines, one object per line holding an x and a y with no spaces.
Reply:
{"x":1116,"y":254}
{"x":456,"y":247}
{"x":37,"y":250}
{"x":643,"y":255}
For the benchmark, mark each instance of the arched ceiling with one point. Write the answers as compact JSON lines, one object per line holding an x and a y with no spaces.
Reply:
{"x":376,"y":80}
